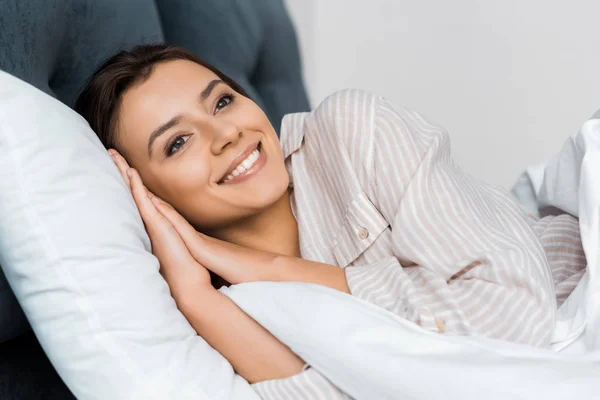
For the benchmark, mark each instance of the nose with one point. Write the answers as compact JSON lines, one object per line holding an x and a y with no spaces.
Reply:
{"x":225,"y":133}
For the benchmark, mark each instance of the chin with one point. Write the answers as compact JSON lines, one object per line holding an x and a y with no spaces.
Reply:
{"x":271,"y":194}
{"x":251,"y":207}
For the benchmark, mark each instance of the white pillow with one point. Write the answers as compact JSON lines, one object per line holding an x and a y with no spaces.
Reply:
{"x":74,"y":249}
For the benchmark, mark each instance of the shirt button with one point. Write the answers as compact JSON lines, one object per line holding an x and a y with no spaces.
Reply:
{"x":441,"y":325}
{"x":363,"y":233}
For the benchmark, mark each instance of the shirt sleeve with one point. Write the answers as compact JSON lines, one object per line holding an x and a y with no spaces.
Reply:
{"x":561,"y":239}
{"x":307,"y":385}
{"x":465,"y":260}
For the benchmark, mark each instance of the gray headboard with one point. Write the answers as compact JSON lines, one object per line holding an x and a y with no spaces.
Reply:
{"x":57,"y":44}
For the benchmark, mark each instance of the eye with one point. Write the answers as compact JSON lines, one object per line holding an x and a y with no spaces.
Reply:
{"x":223,"y":102}
{"x":176,"y":144}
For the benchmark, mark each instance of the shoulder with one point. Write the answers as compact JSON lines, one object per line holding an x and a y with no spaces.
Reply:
{"x":338,"y":134}
{"x":353,"y":114}
{"x":335,"y":124}
{"x":343,"y":120}
{"x":359,"y":121}
{"x":348,"y":97}
{"x":347,"y":109}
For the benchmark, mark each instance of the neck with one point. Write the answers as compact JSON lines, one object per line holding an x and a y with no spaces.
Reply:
{"x":275,"y":230}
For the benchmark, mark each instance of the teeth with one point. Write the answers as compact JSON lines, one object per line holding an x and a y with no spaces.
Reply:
{"x":247,"y":163}
{"x":244,"y":165}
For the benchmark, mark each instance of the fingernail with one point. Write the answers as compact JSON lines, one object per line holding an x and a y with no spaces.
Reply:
{"x":155,"y":200}
{"x":129,"y":172}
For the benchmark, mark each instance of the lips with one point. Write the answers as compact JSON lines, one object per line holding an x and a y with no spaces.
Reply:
{"x":238,"y":160}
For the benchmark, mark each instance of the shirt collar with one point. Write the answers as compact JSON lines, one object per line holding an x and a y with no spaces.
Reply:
{"x":292,"y":133}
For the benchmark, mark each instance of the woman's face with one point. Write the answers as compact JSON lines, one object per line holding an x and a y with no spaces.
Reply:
{"x":205,"y":149}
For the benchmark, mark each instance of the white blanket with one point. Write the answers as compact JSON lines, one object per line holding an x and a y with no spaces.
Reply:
{"x":371,"y":353}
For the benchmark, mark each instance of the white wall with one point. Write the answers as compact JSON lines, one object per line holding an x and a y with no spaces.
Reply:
{"x":510,"y":80}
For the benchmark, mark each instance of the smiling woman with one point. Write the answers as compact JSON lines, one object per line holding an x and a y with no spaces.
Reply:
{"x":192,"y":134}
{"x":360,"y":196}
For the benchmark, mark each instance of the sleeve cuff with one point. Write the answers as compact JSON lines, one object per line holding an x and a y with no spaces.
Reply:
{"x":386,"y":276}
{"x":387,"y":285}
{"x":307,"y":385}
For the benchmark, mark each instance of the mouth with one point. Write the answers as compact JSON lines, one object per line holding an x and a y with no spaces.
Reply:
{"x":245,"y":165}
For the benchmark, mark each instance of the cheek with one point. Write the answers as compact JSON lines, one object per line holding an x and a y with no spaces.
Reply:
{"x":179,"y":182}
{"x":189,"y":192}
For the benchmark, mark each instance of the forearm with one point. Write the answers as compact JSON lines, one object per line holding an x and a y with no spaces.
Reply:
{"x":286,"y":269}
{"x":254,"y":352}
{"x":239,"y":264}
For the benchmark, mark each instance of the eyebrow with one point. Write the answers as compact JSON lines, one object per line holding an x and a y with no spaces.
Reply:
{"x":177,"y":119}
{"x":162,"y":129}
{"x":208,"y":89}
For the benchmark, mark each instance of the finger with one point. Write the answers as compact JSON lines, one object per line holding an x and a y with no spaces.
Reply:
{"x":142,"y":199}
{"x":122,"y":165}
{"x":186,"y":231}
{"x":222,"y":262}
{"x":178,"y":266}
{"x":160,"y":229}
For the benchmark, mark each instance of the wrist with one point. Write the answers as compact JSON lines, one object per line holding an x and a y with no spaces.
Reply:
{"x":280,"y":270}
{"x":293,"y":269}
{"x":194,"y":300}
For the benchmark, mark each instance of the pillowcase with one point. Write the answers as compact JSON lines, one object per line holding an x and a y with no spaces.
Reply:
{"x":74,"y":250}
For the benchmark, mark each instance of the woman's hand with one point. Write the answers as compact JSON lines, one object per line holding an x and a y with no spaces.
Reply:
{"x":234,"y":263}
{"x":238,"y":264}
{"x":183,"y":273}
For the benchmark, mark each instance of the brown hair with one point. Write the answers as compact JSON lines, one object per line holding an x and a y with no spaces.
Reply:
{"x":100,"y":98}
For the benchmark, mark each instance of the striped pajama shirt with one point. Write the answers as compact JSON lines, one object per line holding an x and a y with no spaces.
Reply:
{"x":376,"y":192}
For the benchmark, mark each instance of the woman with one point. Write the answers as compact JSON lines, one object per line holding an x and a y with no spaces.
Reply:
{"x":360,"y":196}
